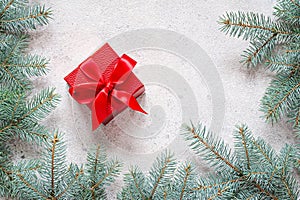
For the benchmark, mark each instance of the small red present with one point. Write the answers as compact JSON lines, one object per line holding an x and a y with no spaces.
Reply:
{"x":106,"y":84}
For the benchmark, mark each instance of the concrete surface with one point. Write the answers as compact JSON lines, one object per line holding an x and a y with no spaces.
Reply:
{"x":80,"y":27}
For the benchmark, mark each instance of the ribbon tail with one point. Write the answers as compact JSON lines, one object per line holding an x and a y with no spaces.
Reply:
{"x":129,"y":100}
{"x":99,"y":109}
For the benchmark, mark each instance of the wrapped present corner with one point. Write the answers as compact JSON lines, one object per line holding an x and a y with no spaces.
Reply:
{"x":106,"y":84}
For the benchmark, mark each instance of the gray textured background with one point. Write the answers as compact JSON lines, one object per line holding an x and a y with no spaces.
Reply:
{"x":80,"y":27}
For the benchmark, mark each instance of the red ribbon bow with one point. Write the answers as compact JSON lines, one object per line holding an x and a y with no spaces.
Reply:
{"x":99,"y":91}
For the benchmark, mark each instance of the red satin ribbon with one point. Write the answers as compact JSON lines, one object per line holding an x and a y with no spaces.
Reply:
{"x":99,"y":92}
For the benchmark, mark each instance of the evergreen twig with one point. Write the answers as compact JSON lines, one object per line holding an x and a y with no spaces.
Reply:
{"x":282,"y":97}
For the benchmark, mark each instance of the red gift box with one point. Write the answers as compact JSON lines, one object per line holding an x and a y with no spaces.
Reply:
{"x":106,"y":84}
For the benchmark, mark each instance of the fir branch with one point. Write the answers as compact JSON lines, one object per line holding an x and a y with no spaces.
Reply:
{"x":30,"y":186}
{"x":282,"y":96}
{"x":294,"y":2}
{"x":272,"y":112}
{"x":284,"y":63}
{"x":17,"y":46}
{"x":167,"y":160}
{"x":41,"y":14}
{"x":165,"y":181}
{"x":22,"y":117}
{"x":244,"y":142}
{"x":95,"y":164}
{"x":218,"y":194}
{"x":263,"y":179}
{"x":40,"y":135}
{"x":200,"y":137}
{"x":19,"y":85}
{"x":15,"y":107}
{"x":294,"y":117}
{"x":275,"y":65}
{"x":265,"y":192}
{"x":297,"y":118}
{"x":25,"y":18}
{"x":107,"y":174}
{"x":29,"y":65}
{"x":6,"y":7}
{"x":204,"y":187}
{"x":292,"y":50}
{"x":136,"y":184}
{"x":77,"y":175}
{"x":260,"y":48}
{"x":5,"y":40}
{"x":288,"y":189}
{"x":265,"y":44}
{"x":286,"y":167}
{"x":57,"y":181}
{"x":41,"y":104}
{"x":54,"y":141}
{"x":286,"y":152}
{"x":21,"y":168}
{"x":99,"y":174}
{"x":287,"y":11}
{"x":6,"y":171}
{"x":249,"y":25}
{"x":165,"y":195}
{"x":188,"y":173}
{"x":261,"y":150}
{"x":6,"y":184}
{"x":33,"y":185}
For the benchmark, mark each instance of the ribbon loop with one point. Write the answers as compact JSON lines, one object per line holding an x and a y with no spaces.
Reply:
{"x":123,"y":68}
{"x":89,"y":69}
